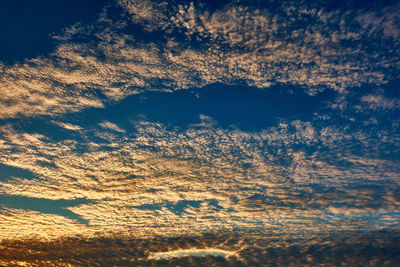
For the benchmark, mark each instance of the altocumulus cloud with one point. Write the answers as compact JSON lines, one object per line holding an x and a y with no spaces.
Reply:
{"x":288,"y":43}
{"x":205,"y":177}
{"x":336,"y":170}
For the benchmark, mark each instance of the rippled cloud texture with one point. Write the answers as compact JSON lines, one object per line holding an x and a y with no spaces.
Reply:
{"x":90,"y":154}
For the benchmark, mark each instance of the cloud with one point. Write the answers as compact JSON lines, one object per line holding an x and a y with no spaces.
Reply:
{"x":20,"y":224}
{"x":195,"y":46}
{"x":378,"y":25}
{"x":205,"y":121}
{"x":379,"y":102}
{"x":68,"y":126}
{"x":163,"y":181}
{"x":294,"y":177}
{"x":191,"y":253}
{"x":111,"y":126}
{"x":250,"y":248}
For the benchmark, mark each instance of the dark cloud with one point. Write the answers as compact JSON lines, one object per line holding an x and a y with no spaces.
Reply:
{"x":251,"y":249}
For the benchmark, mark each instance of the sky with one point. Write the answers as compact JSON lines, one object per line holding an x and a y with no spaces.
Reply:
{"x":184,"y":132}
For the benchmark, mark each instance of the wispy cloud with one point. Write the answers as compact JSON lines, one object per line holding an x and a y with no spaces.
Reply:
{"x":378,"y":25}
{"x":111,"y":126}
{"x":68,"y":126}
{"x":191,"y":253}
{"x":376,"y":102}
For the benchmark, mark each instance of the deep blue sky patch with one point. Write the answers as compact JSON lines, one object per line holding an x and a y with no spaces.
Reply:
{"x":26,"y":26}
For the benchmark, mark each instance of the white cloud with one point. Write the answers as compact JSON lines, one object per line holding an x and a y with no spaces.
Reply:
{"x":68,"y":126}
{"x":111,"y":126}
{"x":191,"y":252}
{"x":376,"y":102}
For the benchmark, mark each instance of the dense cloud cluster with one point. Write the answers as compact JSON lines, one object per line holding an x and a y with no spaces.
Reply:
{"x":203,"y":178}
{"x":236,"y":249}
